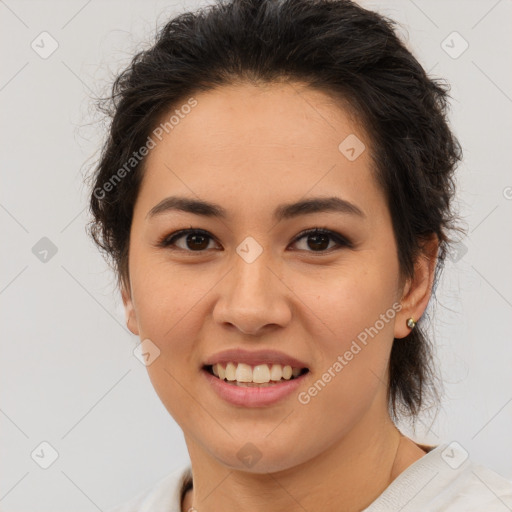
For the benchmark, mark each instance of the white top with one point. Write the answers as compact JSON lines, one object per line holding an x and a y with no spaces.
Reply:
{"x":443,"y":480}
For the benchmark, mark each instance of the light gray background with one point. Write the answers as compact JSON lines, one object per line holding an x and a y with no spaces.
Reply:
{"x":67,"y":372}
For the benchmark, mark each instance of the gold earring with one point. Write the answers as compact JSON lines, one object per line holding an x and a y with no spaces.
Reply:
{"x":411,"y":323}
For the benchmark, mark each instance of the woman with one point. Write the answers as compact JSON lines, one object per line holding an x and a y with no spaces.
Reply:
{"x":275,"y":197}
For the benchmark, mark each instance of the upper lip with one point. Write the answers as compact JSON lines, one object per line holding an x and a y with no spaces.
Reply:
{"x":253,"y":358}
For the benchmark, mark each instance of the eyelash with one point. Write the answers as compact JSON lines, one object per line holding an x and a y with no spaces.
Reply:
{"x":168,"y":240}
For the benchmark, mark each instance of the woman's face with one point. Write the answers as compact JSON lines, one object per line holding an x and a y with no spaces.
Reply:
{"x":247,"y":283}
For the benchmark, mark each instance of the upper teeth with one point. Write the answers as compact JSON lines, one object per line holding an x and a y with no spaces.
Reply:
{"x":260,"y":373}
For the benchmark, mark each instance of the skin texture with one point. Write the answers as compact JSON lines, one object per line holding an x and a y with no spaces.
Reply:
{"x":251,"y":148}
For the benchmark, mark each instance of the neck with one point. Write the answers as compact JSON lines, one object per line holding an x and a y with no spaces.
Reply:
{"x":353,"y":472}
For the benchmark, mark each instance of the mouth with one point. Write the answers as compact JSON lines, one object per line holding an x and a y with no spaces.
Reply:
{"x":260,"y":375}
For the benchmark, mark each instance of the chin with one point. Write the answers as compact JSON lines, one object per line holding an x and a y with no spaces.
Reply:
{"x":260,"y":457}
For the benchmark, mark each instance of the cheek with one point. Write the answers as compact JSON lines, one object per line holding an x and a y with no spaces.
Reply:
{"x":165,"y":298}
{"x":168,"y":308}
{"x":350,"y":302}
{"x":169,"y":312}
{"x":354,"y":352}
{"x":353,"y":327}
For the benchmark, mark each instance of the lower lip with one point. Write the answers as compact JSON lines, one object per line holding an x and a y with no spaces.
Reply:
{"x":253,"y":396}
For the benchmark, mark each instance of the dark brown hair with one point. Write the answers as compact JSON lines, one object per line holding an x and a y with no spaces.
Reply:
{"x":332,"y":45}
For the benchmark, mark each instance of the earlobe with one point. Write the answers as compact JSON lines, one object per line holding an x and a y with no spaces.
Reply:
{"x":131,"y":317}
{"x":418,"y":289}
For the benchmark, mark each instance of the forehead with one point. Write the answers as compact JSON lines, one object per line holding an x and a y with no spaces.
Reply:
{"x":251,"y":143}
{"x":292,"y":116}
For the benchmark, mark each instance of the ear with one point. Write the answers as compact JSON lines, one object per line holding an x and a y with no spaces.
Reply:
{"x":131,"y":317}
{"x":417,"y":290}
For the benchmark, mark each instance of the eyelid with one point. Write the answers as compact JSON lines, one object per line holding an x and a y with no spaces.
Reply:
{"x":167,"y":240}
{"x":337,"y":237}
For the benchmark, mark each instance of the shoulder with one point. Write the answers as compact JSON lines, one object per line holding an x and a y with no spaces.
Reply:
{"x":446,"y":480}
{"x":165,"y":494}
{"x":477,"y":488}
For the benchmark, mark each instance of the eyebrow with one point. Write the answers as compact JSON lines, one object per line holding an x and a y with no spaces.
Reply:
{"x":284,"y":211}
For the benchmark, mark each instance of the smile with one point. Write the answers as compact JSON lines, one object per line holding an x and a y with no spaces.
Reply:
{"x":261,"y":375}
{"x":248,"y":394}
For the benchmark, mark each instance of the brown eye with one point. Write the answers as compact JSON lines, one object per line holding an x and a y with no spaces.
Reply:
{"x":317,"y":240}
{"x":194,"y":240}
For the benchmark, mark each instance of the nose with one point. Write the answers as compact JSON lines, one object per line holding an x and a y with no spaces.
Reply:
{"x":253,"y":297}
